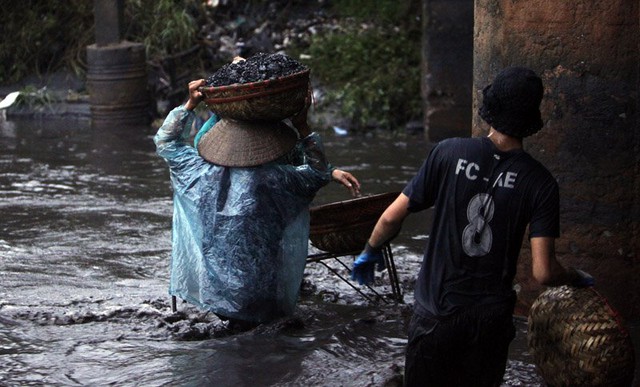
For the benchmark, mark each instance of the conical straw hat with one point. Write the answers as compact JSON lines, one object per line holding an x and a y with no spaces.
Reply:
{"x":232,"y":143}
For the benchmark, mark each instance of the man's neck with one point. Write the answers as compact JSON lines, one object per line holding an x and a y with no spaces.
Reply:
{"x":503,"y":142}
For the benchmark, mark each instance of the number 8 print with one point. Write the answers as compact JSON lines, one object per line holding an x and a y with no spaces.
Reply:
{"x":477,"y":236}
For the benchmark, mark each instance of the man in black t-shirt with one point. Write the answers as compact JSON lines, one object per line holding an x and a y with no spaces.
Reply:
{"x":485,"y":193}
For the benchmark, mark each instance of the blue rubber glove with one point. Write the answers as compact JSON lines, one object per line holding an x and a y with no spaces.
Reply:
{"x":584,"y":279}
{"x":365,"y":263}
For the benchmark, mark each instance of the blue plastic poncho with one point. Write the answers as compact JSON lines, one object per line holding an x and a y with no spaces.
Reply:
{"x":240,"y":235}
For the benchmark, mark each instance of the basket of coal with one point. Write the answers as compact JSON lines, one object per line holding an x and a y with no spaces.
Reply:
{"x":577,"y":339}
{"x":344,"y":227}
{"x":263,"y":87}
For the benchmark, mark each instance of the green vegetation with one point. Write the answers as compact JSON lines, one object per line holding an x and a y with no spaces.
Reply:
{"x":165,"y":27}
{"x":33,"y":98}
{"x":40,"y":37}
{"x":371,"y":65}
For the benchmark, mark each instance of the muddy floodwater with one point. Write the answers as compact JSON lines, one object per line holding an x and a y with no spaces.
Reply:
{"x":85,"y":240}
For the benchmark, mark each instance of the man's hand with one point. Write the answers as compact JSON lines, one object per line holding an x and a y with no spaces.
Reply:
{"x":364,"y":265}
{"x":348,"y":180}
{"x":195,"y":96}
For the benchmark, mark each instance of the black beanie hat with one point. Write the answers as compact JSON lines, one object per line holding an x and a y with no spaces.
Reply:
{"x":511,"y":104}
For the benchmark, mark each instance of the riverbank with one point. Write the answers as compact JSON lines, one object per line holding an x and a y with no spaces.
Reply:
{"x":57,"y":95}
{"x":226,"y":30}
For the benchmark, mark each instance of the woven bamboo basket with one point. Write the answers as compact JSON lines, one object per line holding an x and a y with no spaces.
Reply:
{"x":344,"y":227}
{"x":269,"y":100}
{"x":577,"y":339}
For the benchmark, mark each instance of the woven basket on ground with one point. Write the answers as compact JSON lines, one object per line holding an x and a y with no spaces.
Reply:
{"x":269,"y":100}
{"x":344,"y":227}
{"x":577,"y":339}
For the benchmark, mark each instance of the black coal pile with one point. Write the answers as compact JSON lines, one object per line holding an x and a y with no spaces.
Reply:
{"x":259,"y":67}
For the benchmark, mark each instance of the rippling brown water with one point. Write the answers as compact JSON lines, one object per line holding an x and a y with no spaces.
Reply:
{"x":84,"y":247}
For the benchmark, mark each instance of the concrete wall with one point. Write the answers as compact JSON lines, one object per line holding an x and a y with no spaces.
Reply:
{"x":587,"y":52}
{"x":447,"y":67}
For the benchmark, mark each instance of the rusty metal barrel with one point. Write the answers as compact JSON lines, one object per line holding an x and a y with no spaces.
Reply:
{"x":117,"y":83}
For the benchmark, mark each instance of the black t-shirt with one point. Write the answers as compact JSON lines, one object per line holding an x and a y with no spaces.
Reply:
{"x":483,"y":200}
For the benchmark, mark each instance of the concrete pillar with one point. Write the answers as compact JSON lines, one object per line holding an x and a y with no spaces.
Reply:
{"x":109,"y":17}
{"x":447,"y":68}
{"x":587,"y":53}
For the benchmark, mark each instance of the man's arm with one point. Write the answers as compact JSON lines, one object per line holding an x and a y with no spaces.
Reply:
{"x":548,"y":271}
{"x":177,"y":125}
{"x":390,"y":221}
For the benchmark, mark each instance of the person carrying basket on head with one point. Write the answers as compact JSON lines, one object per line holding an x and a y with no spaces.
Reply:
{"x":241,"y":210}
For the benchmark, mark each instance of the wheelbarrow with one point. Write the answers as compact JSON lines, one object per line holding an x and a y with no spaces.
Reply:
{"x":341,"y":229}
